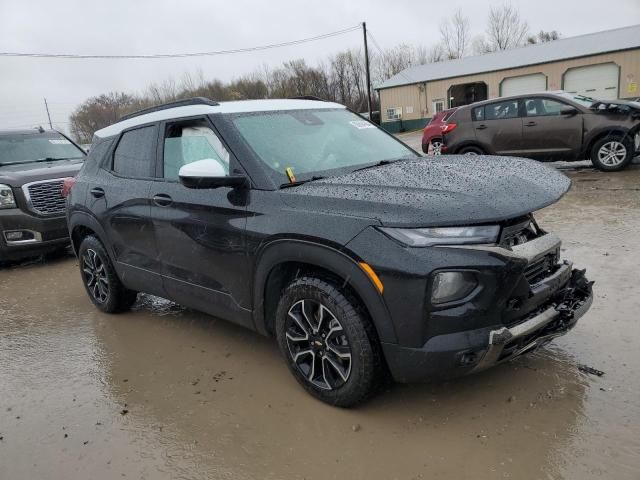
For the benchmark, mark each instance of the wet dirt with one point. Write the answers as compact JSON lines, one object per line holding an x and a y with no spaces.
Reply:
{"x":164,"y":392}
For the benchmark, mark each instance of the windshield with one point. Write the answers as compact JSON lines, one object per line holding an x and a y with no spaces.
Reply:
{"x":311,"y":142}
{"x":33,"y":147}
{"x":581,"y":99}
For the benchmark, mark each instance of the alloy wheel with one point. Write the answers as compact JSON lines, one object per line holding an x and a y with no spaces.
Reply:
{"x":612,"y":153}
{"x":471,"y":153}
{"x":436,"y":147}
{"x":317,"y":344}
{"x":95,"y":275}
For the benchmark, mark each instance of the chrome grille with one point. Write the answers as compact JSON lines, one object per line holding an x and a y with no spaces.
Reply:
{"x":45,"y":198}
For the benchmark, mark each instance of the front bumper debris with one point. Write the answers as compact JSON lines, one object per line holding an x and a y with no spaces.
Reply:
{"x":560,"y":316}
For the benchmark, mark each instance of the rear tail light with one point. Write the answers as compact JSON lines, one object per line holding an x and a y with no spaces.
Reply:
{"x":67,"y":185}
{"x":447,"y":127}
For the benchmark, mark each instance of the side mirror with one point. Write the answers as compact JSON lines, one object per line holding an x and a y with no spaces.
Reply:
{"x":208,"y":173}
{"x":568,"y":110}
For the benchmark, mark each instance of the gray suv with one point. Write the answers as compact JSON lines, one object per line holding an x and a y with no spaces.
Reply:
{"x":33,"y":167}
{"x":545,"y":126}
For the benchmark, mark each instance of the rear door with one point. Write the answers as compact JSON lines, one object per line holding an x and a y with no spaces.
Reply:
{"x":547,"y":134}
{"x":498,"y":127}
{"x":120,"y":200}
{"x":201,"y":232}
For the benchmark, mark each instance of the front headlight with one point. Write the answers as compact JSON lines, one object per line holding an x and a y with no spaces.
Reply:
{"x":6,"y":197}
{"x":425,"y":237}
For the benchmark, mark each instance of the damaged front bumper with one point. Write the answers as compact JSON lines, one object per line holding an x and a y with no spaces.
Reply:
{"x":554,"y":320}
{"x":537,"y":298}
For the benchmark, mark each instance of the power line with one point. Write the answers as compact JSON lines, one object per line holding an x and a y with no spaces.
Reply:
{"x":181,"y":55}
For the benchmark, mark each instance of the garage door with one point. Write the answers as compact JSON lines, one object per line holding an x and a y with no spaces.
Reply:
{"x":536,"y":82}
{"x":597,"y":81}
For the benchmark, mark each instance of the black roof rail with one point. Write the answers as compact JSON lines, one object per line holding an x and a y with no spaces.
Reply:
{"x":308,"y":97}
{"x":165,"y":106}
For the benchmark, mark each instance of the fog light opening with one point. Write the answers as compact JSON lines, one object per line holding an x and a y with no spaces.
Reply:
{"x":20,"y":236}
{"x":451,"y":286}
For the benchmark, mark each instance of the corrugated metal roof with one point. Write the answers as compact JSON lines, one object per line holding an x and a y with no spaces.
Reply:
{"x":583,"y":45}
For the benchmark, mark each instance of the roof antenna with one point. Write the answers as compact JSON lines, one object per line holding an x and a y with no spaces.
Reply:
{"x":40,"y":129}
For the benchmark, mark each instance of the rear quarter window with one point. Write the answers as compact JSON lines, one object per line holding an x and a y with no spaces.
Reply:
{"x":477,"y":114}
{"x":135,"y":154}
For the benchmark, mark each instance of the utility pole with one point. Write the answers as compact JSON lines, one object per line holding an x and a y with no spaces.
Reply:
{"x":48,"y":114}
{"x":366,"y":65}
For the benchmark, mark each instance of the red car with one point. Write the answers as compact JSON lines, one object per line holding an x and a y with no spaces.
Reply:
{"x":433,"y":132}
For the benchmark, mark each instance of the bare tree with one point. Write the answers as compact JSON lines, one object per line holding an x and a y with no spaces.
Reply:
{"x":454,"y":33}
{"x":505,"y":28}
{"x":433,"y":54}
{"x":543,"y":37}
{"x":99,"y":112}
{"x":392,"y":61}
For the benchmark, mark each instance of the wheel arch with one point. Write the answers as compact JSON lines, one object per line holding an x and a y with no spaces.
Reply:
{"x":605,"y":132}
{"x":82,"y":225}
{"x":283,"y":260}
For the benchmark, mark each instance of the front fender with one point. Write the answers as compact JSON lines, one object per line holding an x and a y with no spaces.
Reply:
{"x":328,"y":258}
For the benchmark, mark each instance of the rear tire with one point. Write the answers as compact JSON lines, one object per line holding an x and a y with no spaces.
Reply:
{"x":612,"y":153}
{"x":100,"y":279}
{"x":329,"y":344}
{"x":436,"y":146}
{"x":471,"y":150}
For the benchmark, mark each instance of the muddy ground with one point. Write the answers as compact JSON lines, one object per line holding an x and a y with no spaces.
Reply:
{"x":164,"y":392}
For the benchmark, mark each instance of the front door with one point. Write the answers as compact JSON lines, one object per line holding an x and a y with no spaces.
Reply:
{"x":547,"y":134}
{"x":120,"y":200}
{"x":498,"y":127}
{"x":200,"y":232}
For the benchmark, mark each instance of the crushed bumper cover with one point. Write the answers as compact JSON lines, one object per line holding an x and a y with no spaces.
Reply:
{"x":568,"y":305}
{"x":470,"y":351}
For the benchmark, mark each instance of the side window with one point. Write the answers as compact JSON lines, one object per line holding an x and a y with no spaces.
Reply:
{"x":502,"y":110}
{"x":188,"y":142}
{"x":477,"y":114}
{"x":542,"y":107}
{"x":135,"y":153}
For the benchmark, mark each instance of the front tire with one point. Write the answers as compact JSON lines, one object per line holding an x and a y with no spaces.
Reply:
{"x":100,"y":279}
{"x":612,"y":153}
{"x":471,"y":150}
{"x":328,"y":342}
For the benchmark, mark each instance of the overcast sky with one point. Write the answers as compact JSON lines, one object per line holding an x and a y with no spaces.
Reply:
{"x":162,"y":26}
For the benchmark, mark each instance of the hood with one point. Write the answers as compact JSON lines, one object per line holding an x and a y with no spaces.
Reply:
{"x":449,"y":190}
{"x":21,"y":173}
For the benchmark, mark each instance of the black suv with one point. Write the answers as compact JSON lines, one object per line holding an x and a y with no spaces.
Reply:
{"x":33,"y":167}
{"x":301,"y":220}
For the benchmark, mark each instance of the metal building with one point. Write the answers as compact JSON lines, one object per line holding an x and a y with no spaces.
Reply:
{"x":603,"y":65}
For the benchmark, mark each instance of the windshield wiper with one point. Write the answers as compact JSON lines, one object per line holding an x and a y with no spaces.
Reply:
{"x":53,"y":159}
{"x":301,"y":182}
{"x":379,"y":164}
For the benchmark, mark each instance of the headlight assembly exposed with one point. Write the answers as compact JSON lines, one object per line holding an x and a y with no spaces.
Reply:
{"x":6,"y":197}
{"x":425,"y":237}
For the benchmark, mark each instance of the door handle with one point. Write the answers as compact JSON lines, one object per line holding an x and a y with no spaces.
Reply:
{"x":97,"y":192}
{"x":530,"y":124}
{"x":162,"y":200}
{"x":481,"y":127}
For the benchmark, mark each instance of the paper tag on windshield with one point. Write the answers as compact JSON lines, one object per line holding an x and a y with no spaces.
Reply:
{"x":60,"y":142}
{"x":360,"y":124}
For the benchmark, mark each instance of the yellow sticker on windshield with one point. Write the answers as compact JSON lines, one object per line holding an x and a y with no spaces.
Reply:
{"x":290,"y":175}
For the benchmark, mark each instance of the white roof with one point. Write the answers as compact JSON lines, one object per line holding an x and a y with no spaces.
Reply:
{"x":241,"y":106}
{"x":572,"y":47}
